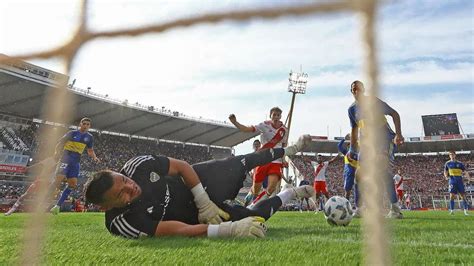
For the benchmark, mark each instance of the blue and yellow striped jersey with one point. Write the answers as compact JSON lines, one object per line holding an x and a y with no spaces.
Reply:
{"x":75,"y":142}
{"x":348,"y":162}
{"x":454,"y":168}
{"x":357,"y":120}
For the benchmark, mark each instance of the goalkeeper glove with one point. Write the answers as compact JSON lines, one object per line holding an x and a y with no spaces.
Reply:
{"x":252,"y":226}
{"x":209,"y":213}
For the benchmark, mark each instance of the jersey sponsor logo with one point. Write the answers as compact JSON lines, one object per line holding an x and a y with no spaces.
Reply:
{"x":86,"y":139}
{"x":154,"y":177}
{"x":150,"y":210}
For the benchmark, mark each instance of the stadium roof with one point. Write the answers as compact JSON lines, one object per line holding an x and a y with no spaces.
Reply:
{"x":330,"y":146}
{"x":24,"y":86}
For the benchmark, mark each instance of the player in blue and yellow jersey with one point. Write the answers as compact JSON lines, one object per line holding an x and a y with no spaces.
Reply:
{"x":350,"y":166}
{"x":453,"y":171}
{"x":392,"y":139}
{"x":72,"y":145}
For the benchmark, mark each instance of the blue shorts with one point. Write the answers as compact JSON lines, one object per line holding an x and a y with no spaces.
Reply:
{"x":388,"y":149}
{"x":68,"y":169}
{"x":349,"y":177}
{"x":456,"y":185}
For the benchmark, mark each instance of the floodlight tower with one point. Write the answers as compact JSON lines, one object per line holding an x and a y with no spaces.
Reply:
{"x":297,"y":85}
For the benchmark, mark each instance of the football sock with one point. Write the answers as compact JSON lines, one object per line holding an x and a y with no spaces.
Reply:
{"x":451,"y":204}
{"x":356,"y":195}
{"x":465,"y":205}
{"x":64,"y":196}
{"x":286,"y":195}
{"x":266,"y":208}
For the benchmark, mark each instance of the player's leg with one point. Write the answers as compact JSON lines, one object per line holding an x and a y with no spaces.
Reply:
{"x":325,"y":193}
{"x":272,"y":183}
{"x":259,"y":177}
{"x":388,"y":159}
{"x":273,"y":180}
{"x":71,"y":175}
{"x":253,"y":193}
{"x":395,"y":211}
{"x":61,"y":172}
{"x":357,"y":212}
{"x":451,"y":203}
{"x":462,"y":193}
{"x":452,"y":193}
{"x":19,"y":200}
{"x":224,"y":178}
{"x":348,"y":182}
{"x":266,"y":208}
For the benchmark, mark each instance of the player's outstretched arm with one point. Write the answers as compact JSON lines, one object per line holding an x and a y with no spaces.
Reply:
{"x":175,"y":228}
{"x":334,"y":158}
{"x":252,"y":227}
{"x":238,"y":125}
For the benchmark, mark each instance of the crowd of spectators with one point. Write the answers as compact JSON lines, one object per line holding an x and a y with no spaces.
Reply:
{"x":424,"y":174}
{"x":113,"y":150}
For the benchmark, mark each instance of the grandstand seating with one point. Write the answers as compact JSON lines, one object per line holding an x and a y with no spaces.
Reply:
{"x":425,"y":172}
{"x":114,"y":150}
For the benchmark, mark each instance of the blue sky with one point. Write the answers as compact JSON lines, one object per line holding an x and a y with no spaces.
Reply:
{"x":426,"y":54}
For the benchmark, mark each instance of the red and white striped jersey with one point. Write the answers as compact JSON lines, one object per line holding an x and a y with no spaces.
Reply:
{"x":272,"y":137}
{"x":398,"y":182}
{"x":320,"y":170}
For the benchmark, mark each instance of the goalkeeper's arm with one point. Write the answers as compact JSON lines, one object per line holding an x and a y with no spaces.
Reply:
{"x":248,"y":227}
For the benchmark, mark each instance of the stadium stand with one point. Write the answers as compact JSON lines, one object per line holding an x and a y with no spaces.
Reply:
{"x":123,"y":130}
{"x":425,"y":171}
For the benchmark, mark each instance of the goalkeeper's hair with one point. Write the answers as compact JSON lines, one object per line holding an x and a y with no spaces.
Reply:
{"x":97,"y":185}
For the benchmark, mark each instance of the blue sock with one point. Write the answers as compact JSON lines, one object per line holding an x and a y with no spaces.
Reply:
{"x":64,"y":196}
{"x":321,"y":205}
{"x":391,"y":191}
{"x":451,"y":204}
{"x":356,"y":195}
{"x":466,"y":207}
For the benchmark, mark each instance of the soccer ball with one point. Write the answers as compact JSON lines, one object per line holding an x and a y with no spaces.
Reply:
{"x":338,"y":211}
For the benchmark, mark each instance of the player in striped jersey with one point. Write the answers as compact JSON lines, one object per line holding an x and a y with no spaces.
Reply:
{"x":273,"y":134}
{"x":386,"y":151}
{"x":350,"y":166}
{"x":453,"y":171}
{"x":161,"y":196}
{"x":319,"y":184}
{"x":72,"y":146}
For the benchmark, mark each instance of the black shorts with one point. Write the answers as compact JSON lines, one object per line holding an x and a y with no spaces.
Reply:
{"x":222,"y":179}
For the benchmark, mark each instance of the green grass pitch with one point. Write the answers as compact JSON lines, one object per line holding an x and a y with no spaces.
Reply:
{"x":429,"y":237}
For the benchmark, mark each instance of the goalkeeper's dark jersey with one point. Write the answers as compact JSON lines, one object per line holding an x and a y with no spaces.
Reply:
{"x":163,"y":198}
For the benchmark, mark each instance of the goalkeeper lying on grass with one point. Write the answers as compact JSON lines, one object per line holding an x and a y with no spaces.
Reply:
{"x":161,"y":196}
